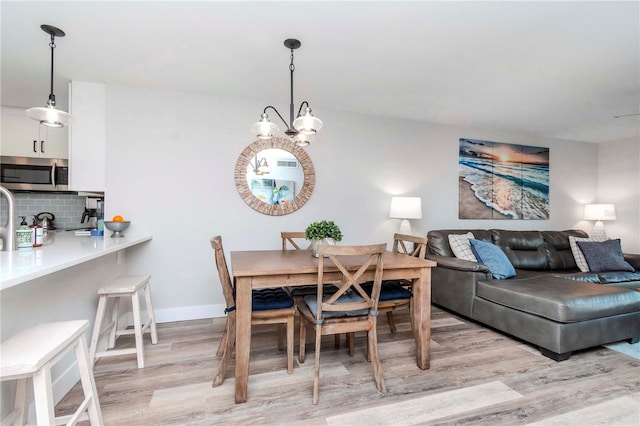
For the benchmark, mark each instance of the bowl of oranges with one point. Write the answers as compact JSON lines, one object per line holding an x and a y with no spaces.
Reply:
{"x":117,"y":225}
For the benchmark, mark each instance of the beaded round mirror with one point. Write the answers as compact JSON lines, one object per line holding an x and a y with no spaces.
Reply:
{"x":275,"y":176}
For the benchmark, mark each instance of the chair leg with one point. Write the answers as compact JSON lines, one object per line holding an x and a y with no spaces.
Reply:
{"x":351,"y":343}
{"x":372,"y":337}
{"x":230,"y":343}
{"x":290,"y":344}
{"x":43,"y":396}
{"x":316,"y":376}
{"x":137,"y":329}
{"x":88,"y":383}
{"x":95,"y":337}
{"x":411,"y":314}
{"x":391,"y":321}
{"x":281,"y":336}
{"x":223,"y":341}
{"x":151,"y":315}
{"x":21,"y":406}
{"x":336,"y":340}
{"x":303,"y":341}
{"x":115,"y":312}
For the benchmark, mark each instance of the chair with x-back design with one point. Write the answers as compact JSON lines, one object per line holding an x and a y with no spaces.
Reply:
{"x":350,"y":309}
{"x":292,"y":238}
{"x":396,"y":294}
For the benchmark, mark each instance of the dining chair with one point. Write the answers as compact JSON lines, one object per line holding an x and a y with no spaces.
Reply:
{"x":350,"y":309}
{"x":269,"y":306}
{"x":400,"y":245}
{"x":396,"y":294}
{"x":292,"y":238}
{"x":289,"y":243}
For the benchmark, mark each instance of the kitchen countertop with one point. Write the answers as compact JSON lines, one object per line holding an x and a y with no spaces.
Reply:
{"x":65,"y":251}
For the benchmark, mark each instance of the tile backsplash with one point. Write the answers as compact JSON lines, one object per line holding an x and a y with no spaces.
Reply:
{"x":67,"y":208}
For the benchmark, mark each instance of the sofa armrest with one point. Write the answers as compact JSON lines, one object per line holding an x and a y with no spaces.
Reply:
{"x":453,"y":283}
{"x":633,"y":259}
{"x":458,"y":264}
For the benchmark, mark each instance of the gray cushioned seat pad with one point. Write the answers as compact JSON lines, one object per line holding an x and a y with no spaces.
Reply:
{"x":560,"y":299}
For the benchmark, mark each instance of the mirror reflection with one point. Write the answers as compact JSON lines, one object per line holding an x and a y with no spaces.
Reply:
{"x":275,"y":176}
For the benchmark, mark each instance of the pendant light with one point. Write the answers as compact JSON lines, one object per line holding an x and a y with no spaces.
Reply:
{"x":261,"y":167}
{"x":50,"y":115}
{"x":303,"y":128}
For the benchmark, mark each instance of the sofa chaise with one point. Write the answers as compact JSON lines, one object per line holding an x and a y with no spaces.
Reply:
{"x":549,"y":302}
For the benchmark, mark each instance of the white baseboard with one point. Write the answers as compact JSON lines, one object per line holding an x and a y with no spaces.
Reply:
{"x":187,"y":313}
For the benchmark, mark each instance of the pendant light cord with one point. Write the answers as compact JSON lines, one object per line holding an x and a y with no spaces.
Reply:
{"x":52,"y":45}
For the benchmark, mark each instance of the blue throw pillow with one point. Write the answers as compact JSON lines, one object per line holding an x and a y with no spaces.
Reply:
{"x":603,"y":256}
{"x":493,"y":258}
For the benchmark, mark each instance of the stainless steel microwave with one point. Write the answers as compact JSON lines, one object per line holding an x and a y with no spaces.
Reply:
{"x":34,"y":174}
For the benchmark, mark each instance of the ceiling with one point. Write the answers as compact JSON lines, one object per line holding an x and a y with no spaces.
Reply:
{"x":549,"y":69}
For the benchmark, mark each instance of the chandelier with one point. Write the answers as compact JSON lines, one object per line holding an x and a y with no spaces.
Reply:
{"x":303,"y":128}
{"x":50,"y":115}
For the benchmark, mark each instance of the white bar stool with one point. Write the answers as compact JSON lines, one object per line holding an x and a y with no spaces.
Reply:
{"x":126,"y":286}
{"x":31,"y":354}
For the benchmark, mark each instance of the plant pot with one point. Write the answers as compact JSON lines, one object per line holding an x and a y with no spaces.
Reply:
{"x":314,"y":245}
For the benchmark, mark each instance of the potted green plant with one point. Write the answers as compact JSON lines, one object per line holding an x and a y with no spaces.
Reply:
{"x":323,"y":232}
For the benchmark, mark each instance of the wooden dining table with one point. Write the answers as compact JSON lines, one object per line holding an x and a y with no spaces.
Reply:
{"x":278,"y":268}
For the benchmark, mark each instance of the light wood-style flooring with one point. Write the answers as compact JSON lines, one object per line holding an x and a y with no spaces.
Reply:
{"x":477,"y":376}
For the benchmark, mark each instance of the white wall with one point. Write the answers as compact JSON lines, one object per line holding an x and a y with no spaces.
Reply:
{"x":170,"y":162}
{"x":619,"y":184}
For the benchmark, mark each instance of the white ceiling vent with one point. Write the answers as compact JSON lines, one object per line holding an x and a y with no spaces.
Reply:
{"x":292,"y":164}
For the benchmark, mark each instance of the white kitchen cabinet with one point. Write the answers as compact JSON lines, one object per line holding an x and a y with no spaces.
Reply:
{"x":25,"y":137}
{"x":87,"y":136}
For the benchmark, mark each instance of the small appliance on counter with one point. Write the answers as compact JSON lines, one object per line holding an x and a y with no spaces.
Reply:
{"x":91,"y":218}
{"x":93,"y":212}
{"x":45,"y":220}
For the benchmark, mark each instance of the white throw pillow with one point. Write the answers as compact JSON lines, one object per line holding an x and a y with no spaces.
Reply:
{"x":577,"y":253}
{"x":461,"y":247}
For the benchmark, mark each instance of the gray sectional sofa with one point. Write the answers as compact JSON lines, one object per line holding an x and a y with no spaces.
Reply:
{"x":549,"y":302}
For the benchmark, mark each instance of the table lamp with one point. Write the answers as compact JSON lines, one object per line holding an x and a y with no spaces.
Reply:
{"x":405,"y":208}
{"x":599,"y":212}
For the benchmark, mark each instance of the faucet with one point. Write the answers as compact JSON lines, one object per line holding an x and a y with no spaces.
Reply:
{"x":8,"y":232}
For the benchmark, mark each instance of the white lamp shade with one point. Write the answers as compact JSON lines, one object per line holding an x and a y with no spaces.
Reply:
{"x":307,"y":123}
{"x":264,"y":129}
{"x":406,"y":208}
{"x":263,"y":167}
{"x":50,"y":116}
{"x":599,"y":212}
{"x":301,"y":139}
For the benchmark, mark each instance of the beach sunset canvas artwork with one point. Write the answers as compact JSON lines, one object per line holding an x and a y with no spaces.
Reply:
{"x":502,"y":181}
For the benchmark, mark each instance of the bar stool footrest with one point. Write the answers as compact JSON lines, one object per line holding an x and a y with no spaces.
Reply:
{"x":115,"y":352}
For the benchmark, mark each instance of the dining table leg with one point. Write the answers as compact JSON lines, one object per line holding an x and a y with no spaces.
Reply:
{"x":243,"y":337}
{"x":421,"y":313}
